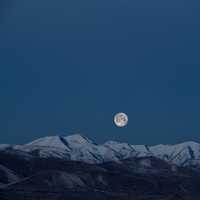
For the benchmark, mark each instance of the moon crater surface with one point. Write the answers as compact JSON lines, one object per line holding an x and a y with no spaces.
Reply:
{"x":121,"y":119}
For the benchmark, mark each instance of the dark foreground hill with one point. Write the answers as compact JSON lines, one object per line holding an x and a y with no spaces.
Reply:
{"x":75,"y":168}
{"x":147,"y":178}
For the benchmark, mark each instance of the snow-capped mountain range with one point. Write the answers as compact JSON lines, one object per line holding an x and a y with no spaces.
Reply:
{"x":79,"y":148}
{"x":47,"y":169}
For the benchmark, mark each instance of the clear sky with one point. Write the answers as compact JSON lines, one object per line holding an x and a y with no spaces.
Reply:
{"x":68,"y":66}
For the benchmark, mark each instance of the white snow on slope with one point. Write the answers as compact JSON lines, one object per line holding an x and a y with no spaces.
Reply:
{"x":123,"y":150}
{"x":79,"y":148}
{"x":51,"y":141}
{"x":4,"y":146}
{"x":179,"y":154}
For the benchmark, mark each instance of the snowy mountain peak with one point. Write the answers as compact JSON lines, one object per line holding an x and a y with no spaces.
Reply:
{"x":50,"y":141}
{"x":80,"y":148}
{"x":77,"y":139}
{"x":181,"y":154}
{"x":4,"y":146}
{"x":119,"y":146}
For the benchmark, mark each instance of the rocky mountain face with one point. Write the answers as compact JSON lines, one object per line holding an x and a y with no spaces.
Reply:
{"x":79,"y":148}
{"x":75,"y":168}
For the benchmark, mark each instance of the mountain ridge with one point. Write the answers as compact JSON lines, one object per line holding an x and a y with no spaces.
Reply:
{"x":79,"y":148}
{"x":76,"y":168}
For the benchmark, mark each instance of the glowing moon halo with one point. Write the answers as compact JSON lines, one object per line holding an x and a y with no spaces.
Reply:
{"x":121,"y":119}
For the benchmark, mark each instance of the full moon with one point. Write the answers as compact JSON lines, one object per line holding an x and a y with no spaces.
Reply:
{"x":121,"y":119}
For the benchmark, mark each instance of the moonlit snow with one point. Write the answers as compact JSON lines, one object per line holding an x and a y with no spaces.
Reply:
{"x":79,"y":148}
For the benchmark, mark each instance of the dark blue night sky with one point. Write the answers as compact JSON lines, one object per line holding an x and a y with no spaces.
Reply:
{"x":68,"y":66}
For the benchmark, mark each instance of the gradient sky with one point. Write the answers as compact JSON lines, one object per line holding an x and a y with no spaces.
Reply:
{"x":68,"y":66}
